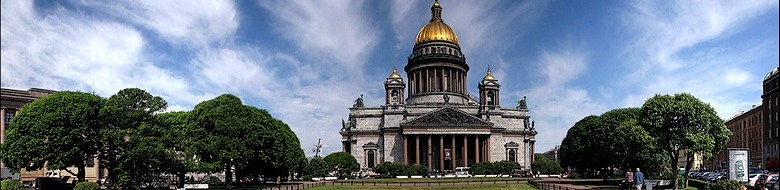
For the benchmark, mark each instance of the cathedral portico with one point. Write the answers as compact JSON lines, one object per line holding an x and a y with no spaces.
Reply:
{"x":439,"y":124}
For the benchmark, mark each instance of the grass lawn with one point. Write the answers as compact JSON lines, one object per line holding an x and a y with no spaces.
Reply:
{"x":410,"y":180}
{"x":470,"y":187}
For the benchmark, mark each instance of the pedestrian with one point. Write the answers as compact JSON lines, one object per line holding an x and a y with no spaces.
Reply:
{"x":639,"y":179}
{"x":629,"y":182}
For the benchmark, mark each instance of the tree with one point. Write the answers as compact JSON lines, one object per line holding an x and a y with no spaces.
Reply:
{"x":681,"y":122}
{"x":507,"y":167}
{"x":229,"y":136}
{"x":342,"y":163}
{"x":156,"y":147}
{"x":56,"y":131}
{"x":546,"y":166}
{"x":578,"y":148}
{"x":122,"y":114}
{"x":317,"y":167}
{"x":391,"y":169}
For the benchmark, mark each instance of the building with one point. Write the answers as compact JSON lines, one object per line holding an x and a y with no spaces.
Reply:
{"x":746,"y":132}
{"x":553,"y":154}
{"x":433,"y":120}
{"x":771,"y":99}
{"x":11,"y":101}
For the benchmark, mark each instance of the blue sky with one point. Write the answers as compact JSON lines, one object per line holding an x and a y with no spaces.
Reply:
{"x":306,"y":61}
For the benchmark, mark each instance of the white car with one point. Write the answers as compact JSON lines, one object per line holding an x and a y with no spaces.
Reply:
{"x":752,"y":179}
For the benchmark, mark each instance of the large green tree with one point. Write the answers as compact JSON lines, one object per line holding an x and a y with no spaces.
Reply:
{"x":56,"y":131}
{"x":681,"y":122}
{"x":229,"y":135}
{"x":546,"y":166}
{"x":121,"y":116}
{"x":342,"y":163}
{"x":611,"y":140}
{"x":156,"y":147}
{"x":317,"y":167}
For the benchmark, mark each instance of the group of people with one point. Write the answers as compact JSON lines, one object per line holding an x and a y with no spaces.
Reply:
{"x":635,"y":179}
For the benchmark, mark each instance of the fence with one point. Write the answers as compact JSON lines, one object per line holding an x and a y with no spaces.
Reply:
{"x":552,"y":186}
{"x":296,"y":186}
{"x":437,"y":183}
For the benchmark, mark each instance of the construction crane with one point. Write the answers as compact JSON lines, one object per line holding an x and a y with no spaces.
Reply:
{"x":318,"y":148}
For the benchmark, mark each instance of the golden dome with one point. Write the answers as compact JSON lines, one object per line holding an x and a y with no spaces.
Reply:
{"x":395,"y":74}
{"x":436,"y":29}
{"x":489,"y":76}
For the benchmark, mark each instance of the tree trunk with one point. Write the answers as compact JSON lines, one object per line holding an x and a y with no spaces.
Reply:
{"x":181,"y":178}
{"x":228,"y":176}
{"x":674,"y":155}
{"x":81,"y":174}
{"x":688,"y":163}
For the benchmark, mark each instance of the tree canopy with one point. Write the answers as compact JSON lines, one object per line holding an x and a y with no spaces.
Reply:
{"x":342,"y":163}
{"x":681,"y":122}
{"x":546,"y":166}
{"x":137,"y":143}
{"x":613,"y":140}
{"x":57,"y":131}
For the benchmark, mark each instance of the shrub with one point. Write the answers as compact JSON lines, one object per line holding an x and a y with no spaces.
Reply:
{"x":415,"y":170}
{"x":483,"y":168}
{"x":723,"y":185}
{"x":505,"y":167}
{"x":86,"y":186}
{"x":307,"y":178}
{"x":11,"y":184}
{"x":574,"y":175}
{"x":391,"y":169}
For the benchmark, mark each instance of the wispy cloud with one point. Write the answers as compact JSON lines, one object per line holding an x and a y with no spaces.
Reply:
{"x":179,"y":21}
{"x":68,"y":51}
{"x":555,"y":103}
{"x":673,"y":53}
{"x":337,"y":31}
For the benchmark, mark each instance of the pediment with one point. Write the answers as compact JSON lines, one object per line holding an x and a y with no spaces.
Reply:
{"x":447,"y":117}
{"x":511,"y":144}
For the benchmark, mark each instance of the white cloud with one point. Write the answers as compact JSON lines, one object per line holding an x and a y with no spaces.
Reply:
{"x":67,"y":51}
{"x":197,"y":23}
{"x":672,"y":52}
{"x":555,"y":103}
{"x":333,"y":31}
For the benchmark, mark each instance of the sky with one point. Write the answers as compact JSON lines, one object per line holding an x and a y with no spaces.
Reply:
{"x":306,"y":61}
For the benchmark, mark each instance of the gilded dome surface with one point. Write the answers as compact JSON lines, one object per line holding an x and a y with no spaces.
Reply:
{"x":436,"y":30}
{"x":395,"y":74}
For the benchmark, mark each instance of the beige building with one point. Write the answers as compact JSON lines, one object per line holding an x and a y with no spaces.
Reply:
{"x":11,"y":101}
{"x":439,"y":124}
{"x":771,"y":119}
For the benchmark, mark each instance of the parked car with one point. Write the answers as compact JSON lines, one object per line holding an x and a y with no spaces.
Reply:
{"x":764,"y":179}
{"x":752,"y":178}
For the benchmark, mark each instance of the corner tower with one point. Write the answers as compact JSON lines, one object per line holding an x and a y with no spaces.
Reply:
{"x":437,"y":66}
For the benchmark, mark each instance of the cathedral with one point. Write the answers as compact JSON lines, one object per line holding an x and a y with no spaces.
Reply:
{"x":430,"y":118}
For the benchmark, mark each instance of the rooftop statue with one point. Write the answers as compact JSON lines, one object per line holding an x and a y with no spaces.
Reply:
{"x":522,"y":104}
{"x":359,"y":102}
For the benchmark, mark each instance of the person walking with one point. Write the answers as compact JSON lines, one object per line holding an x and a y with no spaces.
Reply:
{"x":639,"y":179}
{"x":629,"y":182}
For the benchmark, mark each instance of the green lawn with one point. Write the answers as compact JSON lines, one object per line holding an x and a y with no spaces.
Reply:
{"x":470,"y":187}
{"x":410,"y":180}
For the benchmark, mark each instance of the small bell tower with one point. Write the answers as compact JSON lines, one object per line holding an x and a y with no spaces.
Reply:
{"x":394,"y":89}
{"x":488,"y":92}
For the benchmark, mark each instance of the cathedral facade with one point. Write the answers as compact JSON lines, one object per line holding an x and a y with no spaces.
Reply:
{"x":439,"y":124}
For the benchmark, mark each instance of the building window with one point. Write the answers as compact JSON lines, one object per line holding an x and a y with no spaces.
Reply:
{"x":9,"y":114}
{"x":394,"y":96}
{"x":370,"y":158}
{"x":512,"y":155}
{"x":490,"y":97}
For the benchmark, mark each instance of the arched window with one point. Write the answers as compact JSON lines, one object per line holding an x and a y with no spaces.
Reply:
{"x":490,"y":96}
{"x":370,"y":158}
{"x":394,"y":96}
{"x":512,"y":155}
